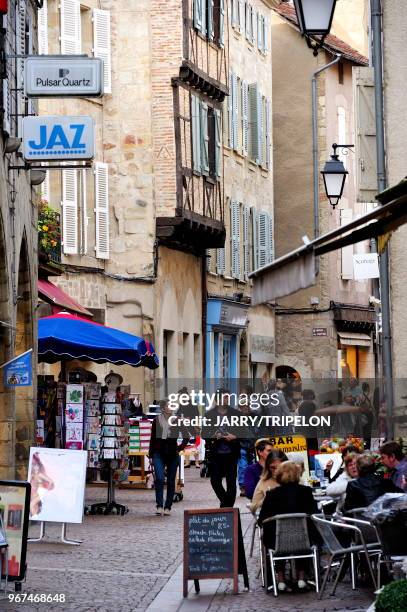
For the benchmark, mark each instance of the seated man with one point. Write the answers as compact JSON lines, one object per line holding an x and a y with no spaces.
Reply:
{"x":392,"y":456}
{"x":365,"y":489}
{"x":254,"y":471}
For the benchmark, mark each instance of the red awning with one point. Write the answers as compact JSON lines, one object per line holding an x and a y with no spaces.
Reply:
{"x":54,"y":295}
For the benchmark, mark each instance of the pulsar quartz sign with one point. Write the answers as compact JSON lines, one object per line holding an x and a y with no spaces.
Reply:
{"x":63,"y":76}
{"x":59,"y":138}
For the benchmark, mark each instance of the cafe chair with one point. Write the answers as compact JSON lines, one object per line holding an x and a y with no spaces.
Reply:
{"x":328,"y":530}
{"x":292,"y":542}
{"x":256,"y":530}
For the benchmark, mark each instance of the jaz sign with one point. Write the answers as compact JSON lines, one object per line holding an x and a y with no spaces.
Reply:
{"x":59,"y":138}
{"x":64,"y":76}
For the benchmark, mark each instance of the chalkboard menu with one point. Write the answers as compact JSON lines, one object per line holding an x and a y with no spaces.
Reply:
{"x":210,"y":545}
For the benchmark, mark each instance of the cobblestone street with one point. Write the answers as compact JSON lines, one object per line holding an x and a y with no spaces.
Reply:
{"x":134,"y":563}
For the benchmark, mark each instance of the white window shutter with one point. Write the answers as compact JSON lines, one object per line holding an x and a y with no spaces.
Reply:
{"x":102,"y":45}
{"x":268,"y":133}
{"x":260,"y":31}
{"x":242,"y":16}
{"x":266,"y":34}
{"x":102,"y":210}
{"x":196,"y":133}
{"x":211,"y":31}
{"x":21,"y":50}
{"x":246,"y":242}
{"x":220,"y":261}
{"x":235,"y":112}
{"x":85,"y":218}
{"x":270,"y":241}
{"x":252,"y":24}
{"x":247,"y":20}
{"x":245,"y":117}
{"x":222,"y":23}
{"x":6,"y":107}
{"x":255,"y":237}
{"x":235,"y":238}
{"x":347,"y":252}
{"x":235,"y":13}
{"x":203,"y":110}
{"x":230,"y":111}
{"x":43,"y":29}
{"x":70,"y":211}
{"x":45,"y":192}
{"x":262,"y":238}
{"x":218,"y":142}
{"x":70,"y":27}
{"x":208,"y":254}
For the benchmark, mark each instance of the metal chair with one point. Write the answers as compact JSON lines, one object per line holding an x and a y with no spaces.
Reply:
{"x":291,"y":542}
{"x":256,"y":529}
{"x":371,"y":537}
{"x":327,"y":529}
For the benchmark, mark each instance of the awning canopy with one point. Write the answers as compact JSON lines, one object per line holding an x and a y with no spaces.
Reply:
{"x":54,"y":295}
{"x":63,"y":337}
{"x":354,"y":339}
{"x":296,"y":270}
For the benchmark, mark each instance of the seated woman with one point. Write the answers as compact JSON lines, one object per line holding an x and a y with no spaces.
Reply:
{"x":337,"y":488}
{"x":365,"y":489}
{"x":289,"y":498}
{"x":267,"y":480}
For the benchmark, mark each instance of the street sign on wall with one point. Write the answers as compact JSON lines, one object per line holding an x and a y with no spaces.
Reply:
{"x":63,"y":76}
{"x":58,"y":138}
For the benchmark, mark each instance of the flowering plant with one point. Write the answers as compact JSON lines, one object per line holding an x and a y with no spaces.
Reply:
{"x":49,"y":230}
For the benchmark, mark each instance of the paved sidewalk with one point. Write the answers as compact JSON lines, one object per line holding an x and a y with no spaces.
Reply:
{"x":134,"y":563}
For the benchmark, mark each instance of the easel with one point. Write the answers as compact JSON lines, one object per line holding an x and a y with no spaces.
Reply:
{"x":64,"y":539}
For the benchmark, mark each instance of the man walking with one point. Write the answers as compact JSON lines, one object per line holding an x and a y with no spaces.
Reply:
{"x":222,"y":437}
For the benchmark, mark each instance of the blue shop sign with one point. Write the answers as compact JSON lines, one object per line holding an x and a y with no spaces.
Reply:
{"x":57,"y":138}
{"x":18,"y":371}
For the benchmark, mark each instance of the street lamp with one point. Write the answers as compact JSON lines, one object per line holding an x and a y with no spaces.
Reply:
{"x":314,"y":19}
{"x":334,"y":175}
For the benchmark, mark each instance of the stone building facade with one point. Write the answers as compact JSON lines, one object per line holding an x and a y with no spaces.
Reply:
{"x":18,"y":245}
{"x":241,"y":338}
{"x":325,"y":331}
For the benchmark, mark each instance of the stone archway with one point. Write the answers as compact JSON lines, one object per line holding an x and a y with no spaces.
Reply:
{"x":6,"y":339}
{"x":24,"y":400}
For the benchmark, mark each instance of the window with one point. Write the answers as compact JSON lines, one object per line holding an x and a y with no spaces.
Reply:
{"x":262,"y":238}
{"x":206,"y":138}
{"x":209,"y":19}
{"x":259,"y":126}
{"x":235,"y":239}
{"x":70,"y":27}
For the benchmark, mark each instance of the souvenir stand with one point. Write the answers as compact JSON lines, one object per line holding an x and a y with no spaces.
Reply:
{"x":84,"y":418}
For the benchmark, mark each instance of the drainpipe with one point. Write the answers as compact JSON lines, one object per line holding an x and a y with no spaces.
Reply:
{"x":377,"y":57}
{"x":315,"y":145}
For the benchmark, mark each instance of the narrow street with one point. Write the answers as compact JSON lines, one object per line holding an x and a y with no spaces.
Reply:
{"x":135,"y":563}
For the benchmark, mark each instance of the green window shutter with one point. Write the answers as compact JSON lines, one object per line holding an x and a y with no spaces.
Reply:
{"x":222,"y":23}
{"x":245,"y":117}
{"x":204,"y":138}
{"x":218,"y":142}
{"x":211,"y":31}
{"x":255,"y":123}
{"x":235,"y":238}
{"x":235,"y":112}
{"x":200,"y":16}
{"x":246,"y":242}
{"x":196,"y":133}
{"x":255,"y":241}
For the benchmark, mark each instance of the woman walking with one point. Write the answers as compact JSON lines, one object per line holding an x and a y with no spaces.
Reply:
{"x":164,"y":455}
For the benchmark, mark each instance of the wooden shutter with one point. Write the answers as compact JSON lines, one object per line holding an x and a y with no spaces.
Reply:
{"x":222,"y":23}
{"x":203,"y":112}
{"x":200,"y":15}
{"x":196,"y":133}
{"x":102,"y":210}
{"x":235,"y":112}
{"x":245,"y":117}
{"x":260,"y":31}
{"x":256,"y":123}
{"x":85,"y":218}
{"x":218,"y":142}
{"x":255,"y":237}
{"x":235,"y":238}
{"x":102,"y":45}
{"x":347,"y":252}
{"x":70,"y":211}
{"x":70,"y":27}
{"x":43,"y":29}
{"x":363,"y":86}
{"x":246,"y":242}
{"x":211,"y":30}
{"x":263,"y":244}
{"x":220,"y":261}
{"x":21,"y":50}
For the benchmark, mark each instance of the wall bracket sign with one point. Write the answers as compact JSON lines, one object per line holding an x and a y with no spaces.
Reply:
{"x":58,"y":138}
{"x":63,"y":76}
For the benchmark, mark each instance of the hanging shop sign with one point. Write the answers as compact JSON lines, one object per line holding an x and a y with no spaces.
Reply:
{"x":58,"y":138}
{"x":18,"y":371}
{"x":365,"y":266}
{"x":63,"y":76}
